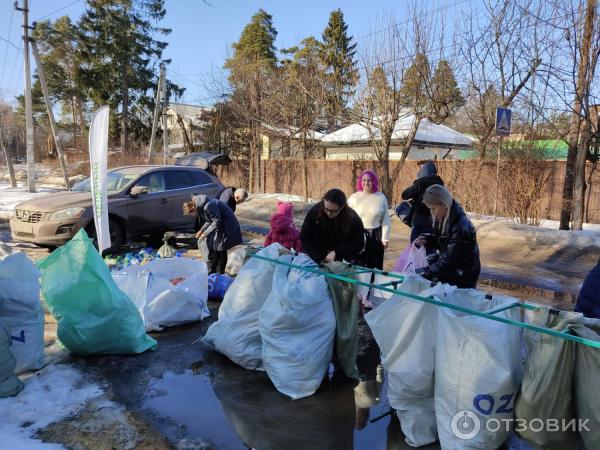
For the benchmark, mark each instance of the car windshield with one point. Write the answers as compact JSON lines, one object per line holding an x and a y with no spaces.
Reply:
{"x":117,"y":179}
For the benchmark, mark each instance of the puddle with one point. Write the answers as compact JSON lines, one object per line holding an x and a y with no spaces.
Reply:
{"x":189,"y":400}
{"x":247,"y":412}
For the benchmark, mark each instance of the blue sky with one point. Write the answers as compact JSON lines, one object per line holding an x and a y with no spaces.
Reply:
{"x":203,"y":33}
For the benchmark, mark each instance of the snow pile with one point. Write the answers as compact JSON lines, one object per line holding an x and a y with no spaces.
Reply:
{"x":50,"y":395}
{"x":282,"y":197}
{"x":11,"y":197}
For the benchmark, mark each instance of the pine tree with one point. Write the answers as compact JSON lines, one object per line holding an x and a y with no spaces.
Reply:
{"x":446,"y":96}
{"x":252,"y":64}
{"x":256,"y":46}
{"x":414,"y":92}
{"x":338,"y":53}
{"x":119,"y":58}
{"x":57,"y":43}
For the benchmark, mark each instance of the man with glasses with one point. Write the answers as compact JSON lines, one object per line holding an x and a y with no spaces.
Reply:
{"x":332,"y":231}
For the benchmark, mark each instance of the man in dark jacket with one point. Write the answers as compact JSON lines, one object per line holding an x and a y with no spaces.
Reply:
{"x":232,"y":196}
{"x":332,"y":231}
{"x":421,"y":217}
{"x":455,"y":239}
{"x":221,"y":229}
{"x":588,"y":301}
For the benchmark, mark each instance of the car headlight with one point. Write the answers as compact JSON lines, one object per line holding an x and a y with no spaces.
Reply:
{"x":65,"y":214}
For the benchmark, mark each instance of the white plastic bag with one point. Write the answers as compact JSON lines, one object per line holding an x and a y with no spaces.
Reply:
{"x":21,"y":311}
{"x":235,"y":333}
{"x":405,"y":330}
{"x":161,"y":302}
{"x":297,"y":327}
{"x":235,"y":260}
{"x":411,"y":259}
{"x":203,"y":247}
{"x":478,"y":371}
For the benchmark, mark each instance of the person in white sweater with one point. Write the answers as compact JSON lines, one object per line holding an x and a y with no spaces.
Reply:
{"x":372,"y":207}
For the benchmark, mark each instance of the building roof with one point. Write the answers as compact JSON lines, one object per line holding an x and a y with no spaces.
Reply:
{"x":188,"y":112}
{"x":292,"y":132}
{"x":428,"y":132}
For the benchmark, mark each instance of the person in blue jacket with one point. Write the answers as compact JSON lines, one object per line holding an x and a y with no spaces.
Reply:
{"x":221,"y":229}
{"x":588,"y":301}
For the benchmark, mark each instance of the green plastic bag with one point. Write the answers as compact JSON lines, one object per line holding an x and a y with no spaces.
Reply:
{"x":587,"y":383}
{"x":345,"y":306}
{"x":547,"y":388}
{"x":93,"y":315}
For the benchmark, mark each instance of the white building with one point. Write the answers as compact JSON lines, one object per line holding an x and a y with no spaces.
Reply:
{"x":431,"y":141}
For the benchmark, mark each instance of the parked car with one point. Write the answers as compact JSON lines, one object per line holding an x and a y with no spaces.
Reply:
{"x":143,"y":203}
{"x":203,"y":160}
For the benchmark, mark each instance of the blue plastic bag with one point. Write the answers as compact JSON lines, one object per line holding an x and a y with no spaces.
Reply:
{"x":93,"y":315}
{"x":218,"y":285}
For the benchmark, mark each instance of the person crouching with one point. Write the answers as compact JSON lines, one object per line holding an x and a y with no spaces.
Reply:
{"x":283,"y":230}
{"x":455,"y":239}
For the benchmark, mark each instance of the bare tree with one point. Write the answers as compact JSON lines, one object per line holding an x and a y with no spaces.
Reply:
{"x":499,"y":60}
{"x":299,"y":96}
{"x":398,"y":90}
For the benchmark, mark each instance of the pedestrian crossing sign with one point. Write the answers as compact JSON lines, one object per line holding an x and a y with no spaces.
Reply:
{"x":503,"y":120}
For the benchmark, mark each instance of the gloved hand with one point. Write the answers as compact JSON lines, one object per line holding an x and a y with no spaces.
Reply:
{"x":429,"y":275}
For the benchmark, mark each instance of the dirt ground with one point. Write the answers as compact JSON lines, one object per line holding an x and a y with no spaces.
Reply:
{"x":185,"y":396}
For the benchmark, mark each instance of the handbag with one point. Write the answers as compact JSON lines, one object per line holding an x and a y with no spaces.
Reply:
{"x":404,"y":211}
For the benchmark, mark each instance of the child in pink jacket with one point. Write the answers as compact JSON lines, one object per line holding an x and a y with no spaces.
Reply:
{"x":283,"y":229}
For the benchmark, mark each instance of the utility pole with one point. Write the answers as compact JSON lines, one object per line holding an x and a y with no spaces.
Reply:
{"x":42,"y":78}
{"x":165,"y":105}
{"x":28,"y":107}
{"x":157,"y":108}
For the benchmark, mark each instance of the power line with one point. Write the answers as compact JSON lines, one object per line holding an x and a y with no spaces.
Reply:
{"x":57,"y":10}
{"x":404,"y":22}
{"x":7,"y":42}
{"x":14,"y":67}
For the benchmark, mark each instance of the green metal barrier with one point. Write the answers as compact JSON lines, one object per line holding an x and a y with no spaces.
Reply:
{"x":387,"y":287}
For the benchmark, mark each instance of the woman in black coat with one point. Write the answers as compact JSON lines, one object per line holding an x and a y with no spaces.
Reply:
{"x":220,"y":228}
{"x":588,"y":300}
{"x":454,"y":238}
{"x":332,"y":231}
{"x":421,"y":217}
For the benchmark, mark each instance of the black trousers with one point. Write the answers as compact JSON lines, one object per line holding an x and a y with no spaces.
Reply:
{"x":217,"y":260}
{"x":368,"y":357}
{"x":372,"y":257}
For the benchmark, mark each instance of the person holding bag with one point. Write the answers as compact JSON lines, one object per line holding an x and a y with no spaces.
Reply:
{"x":221,"y":229}
{"x":419,"y":218}
{"x":455,"y":239}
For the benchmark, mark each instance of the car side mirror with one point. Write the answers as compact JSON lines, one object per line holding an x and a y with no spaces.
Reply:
{"x":136,"y":191}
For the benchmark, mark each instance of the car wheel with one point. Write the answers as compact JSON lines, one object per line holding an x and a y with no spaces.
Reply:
{"x":117,"y":236}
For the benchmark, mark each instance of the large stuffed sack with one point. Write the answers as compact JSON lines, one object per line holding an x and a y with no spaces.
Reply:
{"x":235,"y":333}
{"x":21,"y":310}
{"x":547,"y":389}
{"x":477,"y":369}
{"x":9,"y":384}
{"x":166,"y":292}
{"x":235,"y":260}
{"x":405,"y":330}
{"x":297,"y":327}
{"x":93,"y":315}
{"x":345,"y":306}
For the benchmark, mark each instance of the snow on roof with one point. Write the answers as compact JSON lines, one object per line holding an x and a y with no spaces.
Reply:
{"x":428,"y":132}
{"x":293,"y":132}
